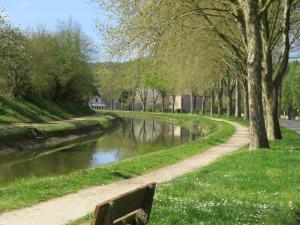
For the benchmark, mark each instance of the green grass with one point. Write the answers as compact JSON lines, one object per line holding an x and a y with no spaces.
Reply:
{"x":25,"y":192}
{"x":231,"y":118}
{"x":248,"y":187}
{"x":13,"y":133}
{"x":291,"y":138}
{"x":18,"y":117}
{"x":21,"y":111}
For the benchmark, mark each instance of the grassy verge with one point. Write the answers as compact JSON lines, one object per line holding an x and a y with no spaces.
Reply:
{"x":231,"y":118}
{"x":21,"y":111}
{"x":261,"y":187}
{"x":13,"y":133}
{"x":26,"y":192}
{"x":248,"y":187}
{"x":291,"y":140}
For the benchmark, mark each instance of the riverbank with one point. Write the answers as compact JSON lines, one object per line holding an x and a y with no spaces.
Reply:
{"x":25,"y":192}
{"x":248,"y":187}
{"x":33,"y":125}
{"x":24,"y":136}
{"x":14,"y":111}
{"x":63,"y":210}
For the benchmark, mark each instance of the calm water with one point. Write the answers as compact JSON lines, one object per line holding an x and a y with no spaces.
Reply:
{"x":133,"y":137}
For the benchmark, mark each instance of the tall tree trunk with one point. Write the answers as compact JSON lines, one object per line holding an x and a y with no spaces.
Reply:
{"x":246,"y":102}
{"x":111,"y":105}
{"x":121,"y":100}
{"x":153,"y":106}
{"x":229,"y":104}
{"x":270,"y":94}
{"x":237,"y":99}
{"x":144,"y":106}
{"x":230,"y":84}
{"x":203,"y":103}
{"x":154,"y":99}
{"x":181,"y":103}
{"x":143,"y":97}
{"x":173,"y":103}
{"x":279,"y":100}
{"x":133,"y":102}
{"x":162,"y":105}
{"x":258,"y":134}
{"x":192,"y":100}
{"x":220,"y":99}
{"x":270,"y":86}
{"x":212,"y":102}
{"x":271,"y":114}
{"x":132,"y":105}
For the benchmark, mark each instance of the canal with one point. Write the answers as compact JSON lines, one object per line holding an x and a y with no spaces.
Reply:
{"x":134,"y":137}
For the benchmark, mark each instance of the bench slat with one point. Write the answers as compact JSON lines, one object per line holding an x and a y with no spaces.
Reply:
{"x":109,"y":212}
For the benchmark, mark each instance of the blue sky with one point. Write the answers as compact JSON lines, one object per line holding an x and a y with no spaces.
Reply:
{"x":32,"y":13}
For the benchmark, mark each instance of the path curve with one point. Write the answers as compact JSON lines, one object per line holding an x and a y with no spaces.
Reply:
{"x":63,"y":210}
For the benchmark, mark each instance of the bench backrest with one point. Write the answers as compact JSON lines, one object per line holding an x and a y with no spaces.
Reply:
{"x":126,"y":209}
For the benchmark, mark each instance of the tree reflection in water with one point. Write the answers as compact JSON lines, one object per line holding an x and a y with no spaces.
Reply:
{"x":134,"y":137}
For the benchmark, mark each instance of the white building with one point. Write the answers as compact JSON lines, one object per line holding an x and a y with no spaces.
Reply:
{"x":96,"y":103}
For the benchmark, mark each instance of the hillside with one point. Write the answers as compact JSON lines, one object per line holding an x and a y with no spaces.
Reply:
{"x":21,"y":111}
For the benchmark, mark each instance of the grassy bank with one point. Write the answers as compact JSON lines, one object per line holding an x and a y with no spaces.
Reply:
{"x":19,"y":117}
{"x":19,"y":132}
{"x":261,"y":187}
{"x":248,"y":187}
{"x":22,"y":111}
{"x":26,"y":192}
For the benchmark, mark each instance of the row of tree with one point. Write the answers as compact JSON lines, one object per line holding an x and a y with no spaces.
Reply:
{"x":140,"y":81}
{"x":41,"y":64}
{"x":290,"y":92}
{"x":202,"y":45}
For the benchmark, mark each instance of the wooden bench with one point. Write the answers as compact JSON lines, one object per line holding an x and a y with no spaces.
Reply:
{"x":132,"y":208}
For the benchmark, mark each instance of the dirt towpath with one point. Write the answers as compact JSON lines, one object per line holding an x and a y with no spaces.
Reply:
{"x":61,"y":211}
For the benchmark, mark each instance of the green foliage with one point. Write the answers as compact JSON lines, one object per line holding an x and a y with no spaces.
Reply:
{"x":122,"y":82}
{"x":191,"y":56}
{"x":291,"y":88}
{"x":14,"y":59}
{"x":110,"y":80}
{"x":55,"y":66}
{"x":61,"y":68}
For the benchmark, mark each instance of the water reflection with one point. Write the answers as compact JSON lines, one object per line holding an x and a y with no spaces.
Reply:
{"x":134,"y":137}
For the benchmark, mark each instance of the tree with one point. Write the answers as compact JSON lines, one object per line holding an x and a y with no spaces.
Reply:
{"x":237,"y":99}
{"x":291,"y":90}
{"x":109,"y":82}
{"x":155,"y":81}
{"x":279,"y":29}
{"x":254,"y":73}
{"x":230,"y":85}
{"x":175,"y":30}
{"x":203,"y":103}
{"x":74,"y":75}
{"x":14,"y":62}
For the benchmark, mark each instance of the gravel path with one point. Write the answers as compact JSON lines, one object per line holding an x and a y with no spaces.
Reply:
{"x":291,"y":124}
{"x":61,"y":211}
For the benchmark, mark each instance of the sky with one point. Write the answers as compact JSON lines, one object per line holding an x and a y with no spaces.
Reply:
{"x":32,"y":13}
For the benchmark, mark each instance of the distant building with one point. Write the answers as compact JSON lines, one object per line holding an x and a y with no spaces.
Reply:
{"x":183,"y":103}
{"x":96,"y":103}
